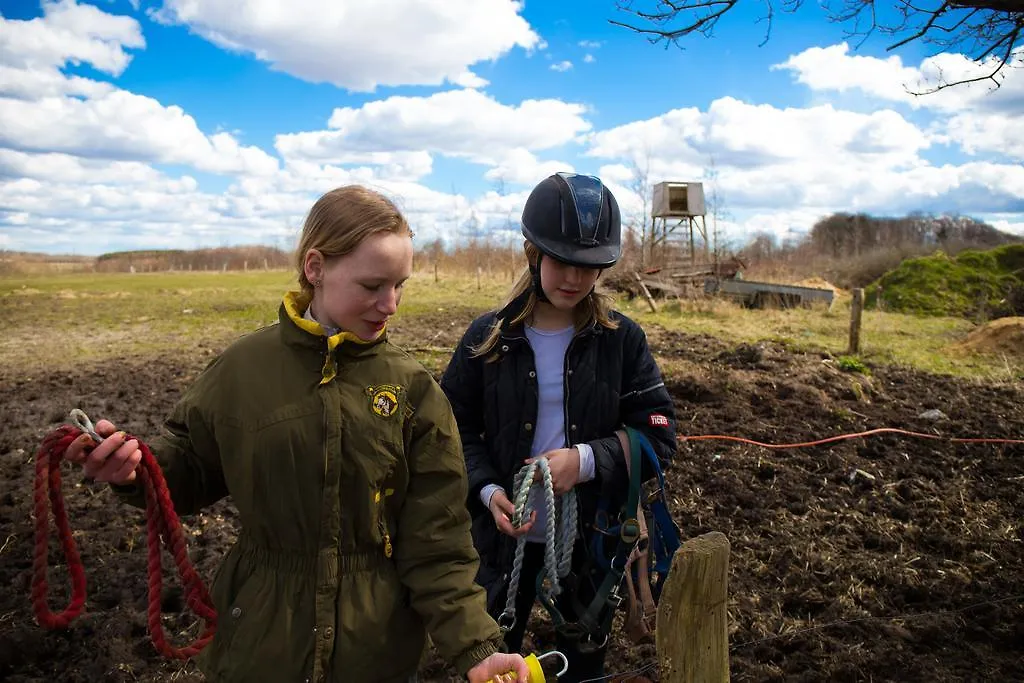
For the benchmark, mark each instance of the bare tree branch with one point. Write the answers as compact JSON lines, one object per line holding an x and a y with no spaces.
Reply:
{"x":1009,"y":41}
{"x":924,"y":29}
{"x":979,"y":29}
{"x":708,"y":13}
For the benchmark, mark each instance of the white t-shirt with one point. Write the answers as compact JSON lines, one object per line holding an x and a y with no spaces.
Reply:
{"x":549,"y":349}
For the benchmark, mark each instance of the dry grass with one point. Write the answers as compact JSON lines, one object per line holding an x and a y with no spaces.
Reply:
{"x":87,"y":317}
{"x":924,"y":343}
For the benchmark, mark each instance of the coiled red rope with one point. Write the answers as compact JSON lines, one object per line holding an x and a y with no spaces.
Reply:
{"x":162,"y":525}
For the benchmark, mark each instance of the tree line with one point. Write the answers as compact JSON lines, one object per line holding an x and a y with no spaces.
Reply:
{"x":854,"y":249}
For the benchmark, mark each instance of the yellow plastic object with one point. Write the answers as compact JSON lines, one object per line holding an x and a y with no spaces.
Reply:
{"x":533,"y":666}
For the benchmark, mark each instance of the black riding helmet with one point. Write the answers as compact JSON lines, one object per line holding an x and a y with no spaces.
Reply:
{"x":574,"y":219}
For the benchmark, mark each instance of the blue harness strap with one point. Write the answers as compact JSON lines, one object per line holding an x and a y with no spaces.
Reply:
{"x":623,"y":529}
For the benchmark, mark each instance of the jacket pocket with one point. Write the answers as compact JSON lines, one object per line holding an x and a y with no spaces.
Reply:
{"x":380,"y":637}
{"x":265,"y":638}
{"x":234,"y":590}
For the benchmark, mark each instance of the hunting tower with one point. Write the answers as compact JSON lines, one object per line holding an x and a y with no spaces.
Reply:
{"x":677,"y":219}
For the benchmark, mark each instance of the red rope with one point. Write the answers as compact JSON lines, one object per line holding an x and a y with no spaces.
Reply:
{"x":162,"y":525}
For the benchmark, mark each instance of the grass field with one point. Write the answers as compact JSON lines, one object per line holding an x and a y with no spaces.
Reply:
{"x":57,"y":319}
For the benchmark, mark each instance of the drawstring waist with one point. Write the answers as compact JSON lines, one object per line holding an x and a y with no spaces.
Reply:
{"x":325,"y":564}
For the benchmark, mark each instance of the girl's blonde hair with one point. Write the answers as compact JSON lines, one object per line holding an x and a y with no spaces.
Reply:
{"x":596,"y":307}
{"x":340,"y":220}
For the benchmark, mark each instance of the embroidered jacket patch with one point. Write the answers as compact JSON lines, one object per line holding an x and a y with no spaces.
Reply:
{"x":384,"y":399}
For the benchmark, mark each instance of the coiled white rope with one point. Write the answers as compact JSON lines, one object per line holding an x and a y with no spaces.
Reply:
{"x":559,"y":534}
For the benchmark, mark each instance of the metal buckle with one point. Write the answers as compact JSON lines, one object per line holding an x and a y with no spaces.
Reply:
{"x":614,"y":599}
{"x":506,"y":621}
{"x":588,"y":644}
{"x":654,"y":494}
{"x":630,"y":531}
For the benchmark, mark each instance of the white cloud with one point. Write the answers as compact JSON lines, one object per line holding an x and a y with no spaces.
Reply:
{"x":670,"y":135}
{"x":979,"y":133}
{"x":64,"y":216}
{"x":30,"y":84}
{"x":78,"y":156}
{"x":462,"y":123}
{"x":83,"y":162}
{"x":70,"y":33}
{"x":1011,"y":225}
{"x":834,"y":68}
{"x":468,"y":79}
{"x":32,"y":52}
{"x":361,"y":45}
{"x":590,"y":44}
{"x":562,"y":66}
{"x":801,"y":163}
{"x":42,"y":110}
{"x":976,"y":116}
{"x":521,"y":166}
{"x":782,"y":223}
{"x":589,"y":58}
{"x":65,"y":168}
{"x":744,"y":135}
{"x":121,"y":125}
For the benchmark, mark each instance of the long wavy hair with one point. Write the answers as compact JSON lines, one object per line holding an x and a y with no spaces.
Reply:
{"x":595,"y":308}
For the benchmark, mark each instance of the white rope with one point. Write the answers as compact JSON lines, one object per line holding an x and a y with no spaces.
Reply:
{"x":559,"y":534}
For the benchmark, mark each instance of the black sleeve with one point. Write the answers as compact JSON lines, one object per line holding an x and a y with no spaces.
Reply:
{"x":645,"y":405}
{"x":462,"y":383}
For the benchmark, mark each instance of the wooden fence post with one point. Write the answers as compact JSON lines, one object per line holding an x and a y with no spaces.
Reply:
{"x":856,"y":306}
{"x":692,"y":634}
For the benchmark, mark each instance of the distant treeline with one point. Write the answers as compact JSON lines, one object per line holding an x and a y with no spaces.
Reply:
{"x":844,"y":235}
{"x":853,"y":250}
{"x":220,"y":258}
{"x":850,"y":250}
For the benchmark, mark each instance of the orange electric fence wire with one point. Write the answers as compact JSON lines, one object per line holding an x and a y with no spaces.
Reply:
{"x":842,"y":437}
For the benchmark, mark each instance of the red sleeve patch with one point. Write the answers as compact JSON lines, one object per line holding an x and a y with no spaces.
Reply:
{"x":658,"y":420}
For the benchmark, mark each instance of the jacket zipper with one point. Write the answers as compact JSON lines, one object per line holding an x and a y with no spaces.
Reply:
{"x":327,"y":454}
{"x":382,"y":522}
{"x":565,"y":392}
{"x":642,"y":391}
{"x":568,"y":436}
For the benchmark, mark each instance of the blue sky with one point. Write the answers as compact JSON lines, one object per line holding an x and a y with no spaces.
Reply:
{"x":128,"y":124}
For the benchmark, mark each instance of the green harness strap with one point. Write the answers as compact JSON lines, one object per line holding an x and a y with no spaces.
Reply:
{"x":607,"y":599}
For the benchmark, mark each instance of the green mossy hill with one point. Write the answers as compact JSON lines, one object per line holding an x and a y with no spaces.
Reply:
{"x":974,"y":284}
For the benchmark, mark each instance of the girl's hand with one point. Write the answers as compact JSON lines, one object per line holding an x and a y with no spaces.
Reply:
{"x":498,"y":666}
{"x":564,"y":464}
{"x":502,"y":510}
{"x":113,"y":460}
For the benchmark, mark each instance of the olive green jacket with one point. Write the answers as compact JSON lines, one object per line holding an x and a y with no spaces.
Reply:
{"x":345,"y":464}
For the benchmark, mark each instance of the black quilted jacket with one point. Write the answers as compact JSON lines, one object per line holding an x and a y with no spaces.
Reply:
{"x":611,"y":380}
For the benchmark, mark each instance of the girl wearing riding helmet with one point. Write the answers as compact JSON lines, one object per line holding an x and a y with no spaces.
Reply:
{"x":340,"y":453}
{"x":555,"y":374}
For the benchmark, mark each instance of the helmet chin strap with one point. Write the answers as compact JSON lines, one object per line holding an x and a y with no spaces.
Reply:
{"x":514,"y":307}
{"x":538,"y":289}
